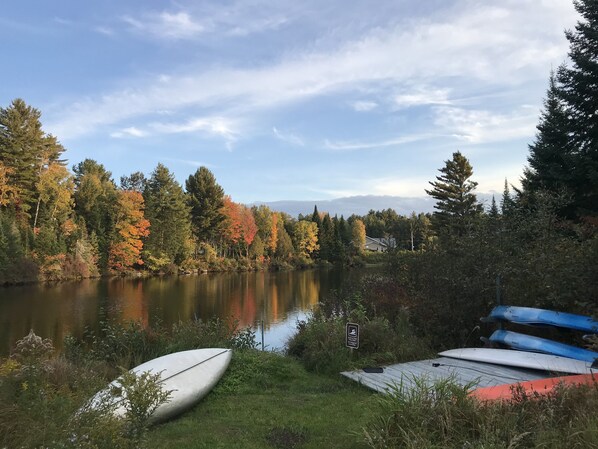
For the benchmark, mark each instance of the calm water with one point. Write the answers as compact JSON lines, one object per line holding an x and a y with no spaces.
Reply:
{"x":279,"y":299}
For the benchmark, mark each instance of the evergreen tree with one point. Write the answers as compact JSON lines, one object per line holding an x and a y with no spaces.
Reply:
{"x":507,"y":203}
{"x":580,"y":93}
{"x":206,"y":199}
{"x":135,"y":181}
{"x":551,"y":160}
{"x":493,"y":212}
{"x":95,"y":202}
{"x":326,"y":239}
{"x":456,"y":204}
{"x":168,"y":214}
{"x":284,"y":245}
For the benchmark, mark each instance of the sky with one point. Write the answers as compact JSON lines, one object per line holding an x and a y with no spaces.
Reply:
{"x":287,"y":99}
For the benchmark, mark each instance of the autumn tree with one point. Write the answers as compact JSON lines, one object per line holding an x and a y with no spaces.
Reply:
{"x":456,"y":204}
{"x":267,"y":224}
{"x":205,"y":199}
{"x":8,"y":192}
{"x":239,"y":226}
{"x":231,"y":227}
{"x":167,"y":211}
{"x":25,"y":149}
{"x":306,"y":238}
{"x":358,"y":236}
{"x":55,"y":188}
{"x":131,"y":227}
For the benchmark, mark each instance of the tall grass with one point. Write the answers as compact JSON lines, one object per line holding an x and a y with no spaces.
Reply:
{"x":443,"y":415}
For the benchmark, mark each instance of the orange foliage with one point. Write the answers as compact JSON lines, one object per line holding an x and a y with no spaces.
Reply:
{"x":232,"y":229}
{"x":240,"y":223}
{"x":132,"y":226}
{"x":273,"y":234}
{"x":248,"y":226}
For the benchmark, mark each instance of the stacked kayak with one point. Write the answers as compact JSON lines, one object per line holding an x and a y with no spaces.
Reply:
{"x":535,"y":353}
{"x":523,"y":342}
{"x":540,"y":317}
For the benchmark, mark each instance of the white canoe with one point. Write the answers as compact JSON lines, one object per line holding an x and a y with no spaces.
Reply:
{"x":189,"y":375}
{"x":521,"y":359}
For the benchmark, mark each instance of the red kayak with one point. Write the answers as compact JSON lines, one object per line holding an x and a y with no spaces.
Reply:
{"x":541,"y":387}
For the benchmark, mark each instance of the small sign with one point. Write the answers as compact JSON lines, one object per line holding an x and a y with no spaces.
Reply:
{"x":353,"y":335}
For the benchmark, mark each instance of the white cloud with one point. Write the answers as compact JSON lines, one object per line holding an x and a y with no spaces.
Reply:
{"x":291,"y":138}
{"x":481,"y":44}
{"x":166,"y":25}
{"x":364,"y":106}
{"x":422,"y":96}
{"x":217,"y":126}
{"x":129,"y":132}
{"x":104,"y":30}
{"x":236,"y":19}
{"x":481,"y":126}
{"x":348,"y":146}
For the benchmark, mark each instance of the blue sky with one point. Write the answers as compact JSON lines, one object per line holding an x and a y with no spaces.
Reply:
{"x":289,"y":100}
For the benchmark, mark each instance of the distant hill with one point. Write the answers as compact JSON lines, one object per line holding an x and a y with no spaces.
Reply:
{"x":361,"y":205}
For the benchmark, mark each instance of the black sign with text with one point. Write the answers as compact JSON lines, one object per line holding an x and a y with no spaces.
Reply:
{"x":353,"y":335}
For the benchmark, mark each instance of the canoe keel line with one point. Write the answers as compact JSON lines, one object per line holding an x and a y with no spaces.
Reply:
{"x":188,"y":375}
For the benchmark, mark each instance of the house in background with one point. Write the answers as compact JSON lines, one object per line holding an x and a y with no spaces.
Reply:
{"x":379,"y":244}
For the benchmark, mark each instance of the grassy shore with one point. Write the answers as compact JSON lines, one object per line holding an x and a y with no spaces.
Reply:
{"x":269,"y":401}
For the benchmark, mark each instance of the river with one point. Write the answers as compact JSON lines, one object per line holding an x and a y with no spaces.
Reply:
{"x":276,"y":299}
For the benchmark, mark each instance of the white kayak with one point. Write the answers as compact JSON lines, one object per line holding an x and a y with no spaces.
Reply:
{"x":522,"y":359}
{"x":188,"y":375}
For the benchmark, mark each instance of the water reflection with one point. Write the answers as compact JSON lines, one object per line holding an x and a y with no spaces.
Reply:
{"x":276,"y":299}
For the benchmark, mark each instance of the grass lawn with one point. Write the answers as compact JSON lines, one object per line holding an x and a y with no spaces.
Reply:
{"x":269,"y":401}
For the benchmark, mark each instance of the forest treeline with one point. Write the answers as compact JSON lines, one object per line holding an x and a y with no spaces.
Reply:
{"x":62,"y":224}
{"x":59,"y":224}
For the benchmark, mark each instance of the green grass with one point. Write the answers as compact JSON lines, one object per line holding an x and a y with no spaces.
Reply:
{"x":269,"y":401}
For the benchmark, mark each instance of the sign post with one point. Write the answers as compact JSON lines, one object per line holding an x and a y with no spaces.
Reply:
{"x":352,"y":335}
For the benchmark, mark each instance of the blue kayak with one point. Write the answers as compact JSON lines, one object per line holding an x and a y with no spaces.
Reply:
{"x":541,"y":317}
{"x":524,"y":342}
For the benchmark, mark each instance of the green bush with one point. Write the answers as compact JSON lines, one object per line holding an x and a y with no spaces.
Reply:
{"x":320,"y":344}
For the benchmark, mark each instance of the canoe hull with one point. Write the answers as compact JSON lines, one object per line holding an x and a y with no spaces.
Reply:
{"x":532,"y":388}
{"x":188,"y":375}
{"x":530,"y":343}
{"x":522,"y":359}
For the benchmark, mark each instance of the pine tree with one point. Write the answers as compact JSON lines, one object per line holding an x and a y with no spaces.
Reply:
{"x":168,"y":214}
{"x":95,"y":202}
{"x":493,"y":212}
{"x":550,"y":160}
{"x":206,"y":199}
{"x":580,"y":94}
{"x":456,"y":204}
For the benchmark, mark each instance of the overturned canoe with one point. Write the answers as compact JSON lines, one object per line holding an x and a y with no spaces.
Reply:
{"x":188,"y":375}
